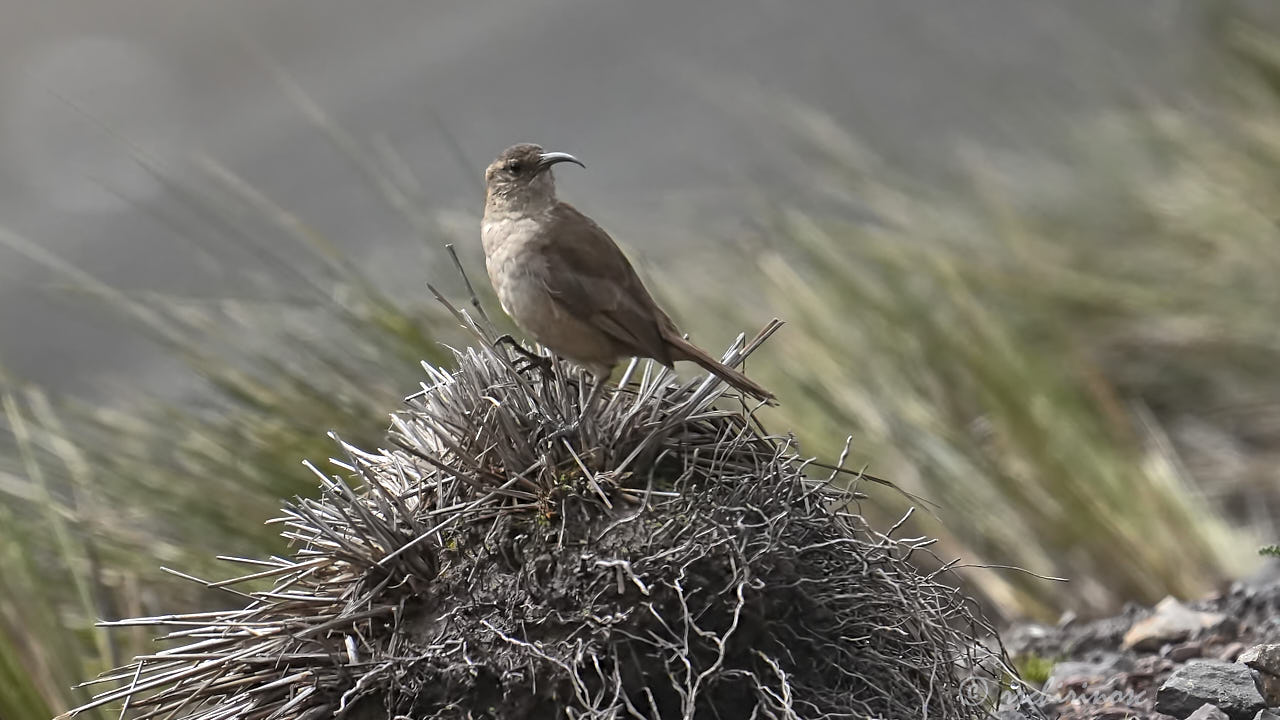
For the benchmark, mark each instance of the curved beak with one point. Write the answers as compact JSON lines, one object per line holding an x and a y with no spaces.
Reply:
{"x":547,"y":159}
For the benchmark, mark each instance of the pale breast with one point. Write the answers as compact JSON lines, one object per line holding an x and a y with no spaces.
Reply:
{"x":520,"y":273}
{"x":516,"y":277}
{"x":513,"y":267}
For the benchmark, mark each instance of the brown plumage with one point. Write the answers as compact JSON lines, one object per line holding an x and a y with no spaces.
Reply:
{"x":564,"y":281}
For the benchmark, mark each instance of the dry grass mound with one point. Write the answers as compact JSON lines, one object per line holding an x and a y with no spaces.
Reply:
{"x":667,"y":559}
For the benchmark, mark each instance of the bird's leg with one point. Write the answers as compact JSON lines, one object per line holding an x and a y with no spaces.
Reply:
{"x":597,"y":386}
{"x":530,"y":359}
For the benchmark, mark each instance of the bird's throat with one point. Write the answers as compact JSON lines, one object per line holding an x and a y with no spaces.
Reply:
{"x":520,"y":199}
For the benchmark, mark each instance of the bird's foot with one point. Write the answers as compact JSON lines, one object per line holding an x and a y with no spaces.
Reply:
{"x":528,"y":360}
{"x":507,"y":339}
{"x":588,"y":411}
{"x":567,"y":429}
{"x":532,"y":362}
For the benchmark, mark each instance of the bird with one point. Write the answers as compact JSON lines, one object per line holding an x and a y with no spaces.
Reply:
{"x":563,"y":280}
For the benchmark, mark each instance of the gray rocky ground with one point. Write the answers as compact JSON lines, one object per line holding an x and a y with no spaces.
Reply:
{"x":1169,"y":661}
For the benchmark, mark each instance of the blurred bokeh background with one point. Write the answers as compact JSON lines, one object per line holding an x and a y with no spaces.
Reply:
{"x":1027,"y":251}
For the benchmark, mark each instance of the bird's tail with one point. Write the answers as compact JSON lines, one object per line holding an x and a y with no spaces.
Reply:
{"x":682,"y":349}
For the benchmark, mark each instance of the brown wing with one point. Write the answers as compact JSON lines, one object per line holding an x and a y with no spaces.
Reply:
{"x":593,"y":281}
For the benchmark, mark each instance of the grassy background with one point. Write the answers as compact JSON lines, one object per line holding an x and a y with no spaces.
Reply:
{"x":1077,"y":359}
{"x":1082,"y":368}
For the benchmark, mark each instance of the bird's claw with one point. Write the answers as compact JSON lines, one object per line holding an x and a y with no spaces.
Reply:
{"x":564,"y":431}
{"x":528,"y":360}
{"x":508,"y":340}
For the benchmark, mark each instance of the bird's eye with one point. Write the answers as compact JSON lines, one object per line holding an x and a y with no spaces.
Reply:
{"x":514,"y":167}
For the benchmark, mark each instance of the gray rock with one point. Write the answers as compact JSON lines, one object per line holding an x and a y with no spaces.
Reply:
{"x":1266,"y":715}
{"x":1207,"y":712}
{"x":1231,"y":652}
{"x":1229,"y":686}
{"x":1073,"y":672}
{"x":1183,"y":652}
{"x":1265,"y":659}
{"x":1170,"y":622}
{"x":1269,"y":686}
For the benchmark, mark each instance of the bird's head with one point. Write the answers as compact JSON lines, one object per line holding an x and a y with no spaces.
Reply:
{"x":521,"y":176}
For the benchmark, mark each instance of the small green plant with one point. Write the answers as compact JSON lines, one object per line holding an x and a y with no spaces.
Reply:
{"x":1034,"y":669}
{"x":1269,"y":551}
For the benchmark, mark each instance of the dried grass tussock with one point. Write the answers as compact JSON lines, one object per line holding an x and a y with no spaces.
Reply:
{"x":666,"y":558}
